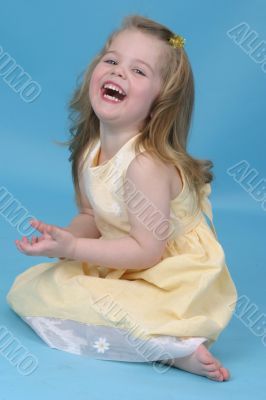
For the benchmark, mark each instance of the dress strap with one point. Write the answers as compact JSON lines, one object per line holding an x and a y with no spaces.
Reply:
{"x":206,"y":205}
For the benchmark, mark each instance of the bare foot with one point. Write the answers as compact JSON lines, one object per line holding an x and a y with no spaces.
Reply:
{"x":201,"y":362}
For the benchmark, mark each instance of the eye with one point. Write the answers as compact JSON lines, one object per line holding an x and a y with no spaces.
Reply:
{"x":139,"y":72}
{"x":110,"y":61}
{"x":113,"y":62}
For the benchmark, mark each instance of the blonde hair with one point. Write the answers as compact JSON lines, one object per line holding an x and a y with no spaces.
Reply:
{"x":165,"y":130}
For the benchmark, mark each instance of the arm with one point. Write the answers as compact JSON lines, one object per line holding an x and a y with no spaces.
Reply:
{"x":83,"y":225}
{"x":142,"y":248}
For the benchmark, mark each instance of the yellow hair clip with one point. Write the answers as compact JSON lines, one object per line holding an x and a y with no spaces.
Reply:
{"x":177,"y":41}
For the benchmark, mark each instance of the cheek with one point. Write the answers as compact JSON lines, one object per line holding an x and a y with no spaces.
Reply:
{"x":147,"y":94}
{"x":97,"y":72}
{"x":155,"y":91}
{"x":94,"y":83}
{"x":141,"y":89}
{"x":94,"y":78}
{"x":97,"y":77}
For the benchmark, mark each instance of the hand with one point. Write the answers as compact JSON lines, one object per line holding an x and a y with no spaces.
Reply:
{"x":55,"y":242}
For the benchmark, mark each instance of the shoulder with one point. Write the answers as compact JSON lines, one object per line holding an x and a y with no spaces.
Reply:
{"x":146,"y":162}
{"x":148,"y":167}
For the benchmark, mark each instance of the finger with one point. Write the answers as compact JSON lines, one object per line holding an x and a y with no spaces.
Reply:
{"x":34,"y":239}
{"x":35,"y":222}
{"x":40,"y":226}
{"x":24,"y":239}
{"x":23,"y":244}
{"x":54,"y":232}
{"x":46,"y":233}
{"x":30,"y":241}
{"x":19,"y":247}
{"x":17,"y":243}
{"x":26,"y":244}
{"x":28,"y":248}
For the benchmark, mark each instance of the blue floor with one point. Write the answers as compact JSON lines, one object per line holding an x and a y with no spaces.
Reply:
{"x":54,"y":372}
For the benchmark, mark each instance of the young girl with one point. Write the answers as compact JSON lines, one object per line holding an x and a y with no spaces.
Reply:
{"x":141,"y":275}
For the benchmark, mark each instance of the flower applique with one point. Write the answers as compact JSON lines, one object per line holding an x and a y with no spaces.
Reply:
{"x":101,"y":345}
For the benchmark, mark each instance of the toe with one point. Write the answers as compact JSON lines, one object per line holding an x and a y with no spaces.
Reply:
{"x":216,"y":375}
{"x":225,"y":373}
{"x":212,"y":367}
{"x":217,"y":363}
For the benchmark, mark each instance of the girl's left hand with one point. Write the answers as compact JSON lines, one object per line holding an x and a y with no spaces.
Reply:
{"x":55,"y":242}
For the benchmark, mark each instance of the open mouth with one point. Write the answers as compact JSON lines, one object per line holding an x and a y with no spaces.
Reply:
{"x":111,"y":92}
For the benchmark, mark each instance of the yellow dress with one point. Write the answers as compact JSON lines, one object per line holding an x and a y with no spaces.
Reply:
{"x":159,"y":313}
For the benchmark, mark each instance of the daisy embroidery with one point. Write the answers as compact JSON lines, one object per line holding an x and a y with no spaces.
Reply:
{"x":101,"y":345}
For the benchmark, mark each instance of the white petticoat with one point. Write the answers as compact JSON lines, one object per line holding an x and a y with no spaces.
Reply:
{"x":109,"y":343}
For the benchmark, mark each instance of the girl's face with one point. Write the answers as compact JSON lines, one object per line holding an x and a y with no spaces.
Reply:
{"x":126,"y":80}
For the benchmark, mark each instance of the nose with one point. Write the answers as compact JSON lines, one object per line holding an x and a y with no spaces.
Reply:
{"x":118,"y":71}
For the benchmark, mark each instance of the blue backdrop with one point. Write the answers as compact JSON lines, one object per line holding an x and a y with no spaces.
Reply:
{"x":53,"y":42}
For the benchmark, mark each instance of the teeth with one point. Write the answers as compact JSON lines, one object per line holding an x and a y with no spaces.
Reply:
{"x":111,"y":97}
{"x":110,"y":86}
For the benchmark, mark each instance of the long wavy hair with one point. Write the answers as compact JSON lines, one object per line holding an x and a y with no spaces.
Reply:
{"x":166,"y":128}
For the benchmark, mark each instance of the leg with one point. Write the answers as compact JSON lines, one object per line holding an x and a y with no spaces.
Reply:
{"x":201,"y":362}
